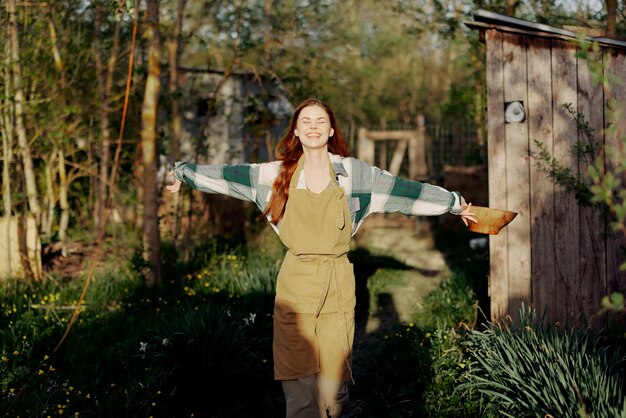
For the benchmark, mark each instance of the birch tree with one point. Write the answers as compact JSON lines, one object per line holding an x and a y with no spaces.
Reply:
{"x":174,"y":47}
{"x":151,"y":238}
{"x":104,"y":74}
{"x":20,"y":128}
{"x":6,"y":124}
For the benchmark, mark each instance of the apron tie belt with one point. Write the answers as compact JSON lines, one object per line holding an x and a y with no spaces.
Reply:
{"x":331,"y":276}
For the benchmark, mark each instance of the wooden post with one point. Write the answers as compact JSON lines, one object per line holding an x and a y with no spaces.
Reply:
{"x":418,"y":166}
{"x":398,"y":156}
{"x":365,"y":147}
{"x":383,"y":147}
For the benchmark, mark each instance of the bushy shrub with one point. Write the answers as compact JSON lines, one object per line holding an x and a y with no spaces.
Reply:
{"x":532,"y":370}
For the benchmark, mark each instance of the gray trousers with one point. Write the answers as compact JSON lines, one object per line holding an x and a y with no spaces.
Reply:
{"x":315,"y":397}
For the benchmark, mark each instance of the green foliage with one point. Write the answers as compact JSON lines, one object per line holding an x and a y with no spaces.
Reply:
{"x":451,"y":304}
{"x":379,"y":283}
{"x":446,"y":313}
{"x":586,"y":149}
{"x":529,"y":369}
{"x":614,"y":302}
{"x":400,"y":361}
{"x":38,"y":382}
{"x":564,"y":175}
{"x":101,"y":369}
{"x":450,"y":366}
{"x":200,"y":358}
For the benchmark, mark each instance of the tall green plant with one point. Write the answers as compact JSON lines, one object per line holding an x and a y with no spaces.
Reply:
{"x":527,"y":369}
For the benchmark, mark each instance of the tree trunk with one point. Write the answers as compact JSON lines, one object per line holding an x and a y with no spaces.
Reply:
{"x":511,"y":6}
{"x":151,"y":241}
{"x":24,"y":146}
{"x":105,"y":134}
{"x":105,"y":85}
{"x":65,"y":207}
{"x":49,"y":202}
{"x":56,"y":53}
{"x":173,"y":47}
{"x":611,"y":17}
{"x":59,"y":152}
{"x":7,"y":156}
{"x":267,"y":69}
{"x":138,"y":186}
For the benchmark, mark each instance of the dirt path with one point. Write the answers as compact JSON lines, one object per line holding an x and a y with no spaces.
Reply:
{"x":398,"y":291}
{"x":425,"y":269}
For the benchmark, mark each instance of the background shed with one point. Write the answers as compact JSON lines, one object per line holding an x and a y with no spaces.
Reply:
{"x":226,"y":119}
{"x":226,"y":127}
{"x":557,"y":255}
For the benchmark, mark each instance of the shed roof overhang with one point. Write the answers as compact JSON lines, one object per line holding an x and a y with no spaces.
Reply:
{"x":484,"y":19}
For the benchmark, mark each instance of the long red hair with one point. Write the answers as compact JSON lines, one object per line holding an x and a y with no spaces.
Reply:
{"x":289,"y":151}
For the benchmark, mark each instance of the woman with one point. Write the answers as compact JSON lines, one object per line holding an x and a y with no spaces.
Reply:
{"x":316,"y":197}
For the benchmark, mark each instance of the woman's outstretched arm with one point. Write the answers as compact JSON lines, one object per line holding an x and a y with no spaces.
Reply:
{"x":390,"y":193}
{"x":251,"y":182}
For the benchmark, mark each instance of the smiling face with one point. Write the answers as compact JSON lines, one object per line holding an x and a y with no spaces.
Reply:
{"x":313,"y":127}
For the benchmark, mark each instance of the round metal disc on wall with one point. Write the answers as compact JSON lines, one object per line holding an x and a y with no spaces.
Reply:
{"x":514,"y":112}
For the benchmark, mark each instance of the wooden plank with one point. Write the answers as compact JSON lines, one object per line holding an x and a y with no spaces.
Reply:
{"x":517,"y":175}
{"x":542,"y":186}
{"x":605,"y":42}
{"x":592,"y":220}
{"x":388,"y":135}
{"x":498,"y":276}
{"x":566,"y":226}
{"x":398,"y":156}
{"x":615,"y":65}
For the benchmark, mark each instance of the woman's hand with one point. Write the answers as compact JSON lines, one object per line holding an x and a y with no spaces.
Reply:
{"x":466,"y":214}
{"x":175,"y":187}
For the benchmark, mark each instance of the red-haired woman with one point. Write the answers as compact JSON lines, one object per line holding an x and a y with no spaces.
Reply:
{"x":315,"y":197}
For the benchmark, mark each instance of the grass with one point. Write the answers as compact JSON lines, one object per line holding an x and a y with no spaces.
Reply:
{"x":201,"y":344}
{"x":110,"y":360}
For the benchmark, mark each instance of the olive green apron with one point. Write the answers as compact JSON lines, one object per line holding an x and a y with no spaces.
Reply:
{"x":315,"y":298}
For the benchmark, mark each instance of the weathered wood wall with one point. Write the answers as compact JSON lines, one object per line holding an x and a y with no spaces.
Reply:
{"x":557,"y":256}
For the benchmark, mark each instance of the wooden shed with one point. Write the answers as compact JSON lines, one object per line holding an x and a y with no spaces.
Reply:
{"x":556,"y":256}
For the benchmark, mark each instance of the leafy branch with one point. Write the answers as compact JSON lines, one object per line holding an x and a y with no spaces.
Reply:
{"x":564,"y":175}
